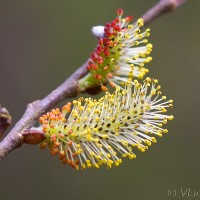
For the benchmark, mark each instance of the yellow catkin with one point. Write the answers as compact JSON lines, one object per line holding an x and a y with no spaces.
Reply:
{"x":100,"y":132}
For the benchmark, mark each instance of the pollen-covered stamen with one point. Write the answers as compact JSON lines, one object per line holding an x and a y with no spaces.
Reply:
{"x":122,"y":53}
{"x":103,"y":131}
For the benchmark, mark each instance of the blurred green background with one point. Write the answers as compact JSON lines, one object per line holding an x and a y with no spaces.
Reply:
{"x":43,"y":42}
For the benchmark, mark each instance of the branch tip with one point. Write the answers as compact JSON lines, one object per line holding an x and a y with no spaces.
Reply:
{"x":5,"y":120}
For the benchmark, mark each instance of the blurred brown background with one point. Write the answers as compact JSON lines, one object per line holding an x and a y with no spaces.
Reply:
{"x":43,"y":42}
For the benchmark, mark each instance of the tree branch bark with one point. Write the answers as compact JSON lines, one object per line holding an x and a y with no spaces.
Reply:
{"x":69,"y":88}
{"x":162,"y":7}
{"x":5,"y":120}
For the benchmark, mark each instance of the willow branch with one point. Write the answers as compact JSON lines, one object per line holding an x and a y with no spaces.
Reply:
{"x":5,"y":120}
{"x":67,"y":89}
{"x":21,"y":132}
{"x":162,"y":7}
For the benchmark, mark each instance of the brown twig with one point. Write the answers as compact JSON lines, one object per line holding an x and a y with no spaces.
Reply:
{"x":5,"y":120}
{"x":20,"y":132}
{"x":163,"y":6}
{"x":67,"y":89}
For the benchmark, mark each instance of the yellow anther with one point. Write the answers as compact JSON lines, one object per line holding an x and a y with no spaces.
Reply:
{"x":159,"y":134}
{"x":96,"y":165}
{"x":163,"y":110}
{"x":147,"y":34}
{"x":108,"y":155}
{"x":92,"y":153}
{"x":95,"y":129}
{"x":164,"y":121}
{"x":78,"y":146}
{"x":147,"y":30}
{"x":142,"y":149}
{"x":127,"y":36}
{"x":160,"y":124}
{"x":140,"y":36}
{"x":75,"y":102}
{"x":148,"y":142}
{"x":140,"y":76}
{"x":141,"y":64}
{"x":149,"y":45}
{"x":171,"y":117}
{"x":140,"y":22}
{"x":109,"y":147}
{"x":110,"y":162}
{"x":153,"y":92}
{"x":131,"y":156}
{"x":83,"y":166}
{"x":112,"y":60}
{"x":148,"y":79}
{"x":123,"y":20}
{"x":97,"y":119}
{"x":153,"y":139}
{"x":104,"y":136}
{"x":136,"y":43}
{"x":145,"y":41}
{"x":96,"y":111}
{"x":100,"y":163}
{"x":132,"y":66}
{"x":149,"y":59}
{"x":165,"y":131}
{"x":85,"y":118}
{"x":89,"y":165}
{"x":130,"y":26}
{"x":98,"y":157}
{"x":124,"y":155}
{"x":77,"y":167}
{"x":155,"y":80}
